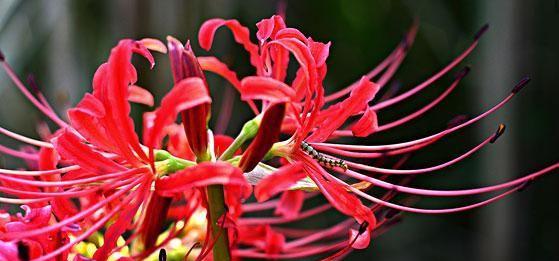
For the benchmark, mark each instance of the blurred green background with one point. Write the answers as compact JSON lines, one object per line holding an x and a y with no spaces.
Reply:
{"x":62,"y":42}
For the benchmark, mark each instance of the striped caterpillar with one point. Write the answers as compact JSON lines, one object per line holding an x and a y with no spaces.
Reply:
{"x":321,"y":158}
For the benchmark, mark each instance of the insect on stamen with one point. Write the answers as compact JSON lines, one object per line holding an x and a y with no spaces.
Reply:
{"x":323,"y":159}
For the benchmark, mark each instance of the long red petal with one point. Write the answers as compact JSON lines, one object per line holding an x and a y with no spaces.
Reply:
{"x":267,"y":89}
{"x":279,"y":181}
{"x":69,"y":146}
{"x":366,"y":125}
{"x":268,"y":133}
{"x":140,"y":95}
{"x":186,"y":94}
{"x":240,"y":33}
{"x":334,"y":116}
{"x":290,"y":203}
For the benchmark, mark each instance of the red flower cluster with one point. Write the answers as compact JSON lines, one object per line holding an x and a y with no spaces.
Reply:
{"x":94,"y":178}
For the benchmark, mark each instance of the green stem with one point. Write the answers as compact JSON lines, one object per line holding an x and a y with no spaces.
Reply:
{"x":230,"y":151}
{"x":216,"y":197}
{"x":216,"y":202}
{"x":247,"y":132}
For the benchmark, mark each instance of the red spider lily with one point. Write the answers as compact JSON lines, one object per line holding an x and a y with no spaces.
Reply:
{"x":309,"y":119}
{"x":124,"y":185}
{"x":104,"y":164}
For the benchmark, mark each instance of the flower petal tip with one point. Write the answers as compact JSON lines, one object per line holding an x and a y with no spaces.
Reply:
{"x":521,"y":84}
{"x":498,"y":133}
{"x":154,"y":45}
{"x":481,"y":31}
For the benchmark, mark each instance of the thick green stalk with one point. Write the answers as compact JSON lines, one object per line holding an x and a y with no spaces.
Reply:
{"x":216,"y":197}
{"x":216,"y":202}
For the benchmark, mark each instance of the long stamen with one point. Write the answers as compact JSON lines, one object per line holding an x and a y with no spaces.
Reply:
{"x":398,"y":52}
{"x":71,"y":193}
{"x":433,"y":78}
{"x":120,"y":174}
{"x":49,"y":113}
{"x":417,"y":113}
{"x":441,"y":134}
{"x":283,"y":220}
{"x":38,"y":172}
{"x":270,"y":204}
{"x":25,"y":139}
{"x":451,"y":193}
{"x":488,"y":140}
{"x":18,"y":154}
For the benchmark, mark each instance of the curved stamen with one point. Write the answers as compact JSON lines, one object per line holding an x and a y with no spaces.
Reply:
{"x":430,"y":80}
{"x":417,"y":113}
{"x":37,"y":183}
{"x":451,"y":193}
{"x":38,"y":172}
{"x":370,"y":155}
{"x":71,"y":193}
{"x":433,"y":211}
{"x":270,"y":204}
{"x":399,"y":52}
{"x":49,"y":113}
{"x":18,"y":154}
{"x":424,"y":170}
{"x":24,"y":139}
{"x":438,"y":135}
{"x":283,"y":220}
{"x":17,"y":201}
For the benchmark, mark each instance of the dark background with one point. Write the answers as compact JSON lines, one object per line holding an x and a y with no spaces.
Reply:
{"x":63,"y":42}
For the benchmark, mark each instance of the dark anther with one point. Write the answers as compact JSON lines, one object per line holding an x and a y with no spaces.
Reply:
{"x":524,"y":185}
{"x":2,"y":57}
{"x":462,"y":73}
{"x":363,"y":227}
{"x":498,"y":133}
{"x":162,"y":255}
{"x":521,"y":84}
{"x":481,"y":31}
{"x":23,"y":251}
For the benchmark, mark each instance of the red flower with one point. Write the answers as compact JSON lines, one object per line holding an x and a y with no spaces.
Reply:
{"x":104,"y":164}
{"x":308,"y":119}
{"x":122,"y":186}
